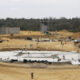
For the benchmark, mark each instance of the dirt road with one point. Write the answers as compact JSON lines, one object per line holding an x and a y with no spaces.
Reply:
{"x":8,"y":72}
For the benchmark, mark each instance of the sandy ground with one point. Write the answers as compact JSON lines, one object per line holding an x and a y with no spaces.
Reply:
{"x":22,"y":43}
{"x":8,"y":72}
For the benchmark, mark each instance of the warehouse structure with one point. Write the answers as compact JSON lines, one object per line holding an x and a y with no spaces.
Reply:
{"x":9,"y":30}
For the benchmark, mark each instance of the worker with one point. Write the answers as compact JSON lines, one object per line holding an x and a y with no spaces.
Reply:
{"x":63,"y":57}
{"x":32,"y":75}
{"x":31,"y":45}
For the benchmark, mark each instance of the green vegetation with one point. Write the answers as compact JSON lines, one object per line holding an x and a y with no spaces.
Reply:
{"x":34,"y":24}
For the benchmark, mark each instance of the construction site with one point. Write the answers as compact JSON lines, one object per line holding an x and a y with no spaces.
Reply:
{"x":39,"y":55}
{"x":39,"y":40}
{"x":18,"y":56}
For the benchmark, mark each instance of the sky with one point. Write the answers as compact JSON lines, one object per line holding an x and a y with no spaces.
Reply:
{"x":39,"y":8}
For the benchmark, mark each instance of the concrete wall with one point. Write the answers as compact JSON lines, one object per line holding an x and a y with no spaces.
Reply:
{"x":44,"y":28}
{"x":9,"y":30}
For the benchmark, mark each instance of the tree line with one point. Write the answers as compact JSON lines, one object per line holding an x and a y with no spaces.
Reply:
{"x":72,"y":24}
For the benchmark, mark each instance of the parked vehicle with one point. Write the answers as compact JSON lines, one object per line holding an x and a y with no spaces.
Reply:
{"x":1,"y":41}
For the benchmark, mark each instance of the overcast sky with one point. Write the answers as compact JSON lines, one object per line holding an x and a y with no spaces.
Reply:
{"x":39,"y":8}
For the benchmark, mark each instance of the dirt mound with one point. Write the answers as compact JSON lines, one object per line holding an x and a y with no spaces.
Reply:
{"x":76,"y":35}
